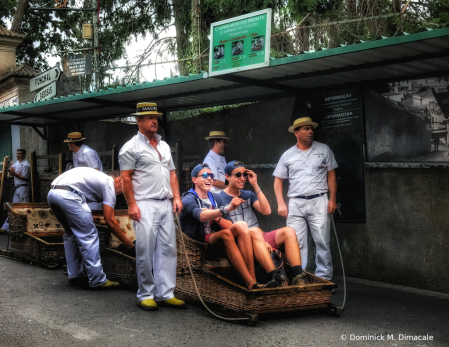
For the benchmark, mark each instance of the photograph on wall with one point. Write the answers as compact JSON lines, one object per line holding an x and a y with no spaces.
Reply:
{"x":219,"y":52}
{"x":257,"y":44}
{"x":408,"y":122}
{"x":237,"y":48}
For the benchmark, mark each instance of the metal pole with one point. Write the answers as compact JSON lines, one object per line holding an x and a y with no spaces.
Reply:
{"x":95,"y":43}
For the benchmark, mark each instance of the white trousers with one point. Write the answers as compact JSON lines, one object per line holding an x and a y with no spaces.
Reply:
{"x":155,"y":250}
{"x":22,"y":194}
{"x":81,"y":242}
{"x":303,"y":213}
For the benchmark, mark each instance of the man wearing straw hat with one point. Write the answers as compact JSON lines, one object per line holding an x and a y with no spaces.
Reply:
{"x":310,"y":168}
{"x":215,"y":159}
{"x":84,"y":156}
{"x":149,"y":183}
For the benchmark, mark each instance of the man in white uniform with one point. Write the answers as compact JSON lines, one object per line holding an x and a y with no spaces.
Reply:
{"x":310,"y":168}
{"x":21,"y":171}
{"x":68,"y":200}
{"x":215,"y":159}
{"x":149,"y":182}
{"x":84,"y":156}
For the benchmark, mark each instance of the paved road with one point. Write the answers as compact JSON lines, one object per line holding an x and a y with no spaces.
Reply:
{"x":38,"y":308}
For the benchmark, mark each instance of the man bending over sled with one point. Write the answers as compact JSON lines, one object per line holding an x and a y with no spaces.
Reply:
{"x":198,"y":217}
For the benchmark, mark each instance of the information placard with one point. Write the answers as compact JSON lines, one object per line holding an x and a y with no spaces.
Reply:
{"x":339,"y":109}
{"x":79,"y":64}
{"x":240,"y":43}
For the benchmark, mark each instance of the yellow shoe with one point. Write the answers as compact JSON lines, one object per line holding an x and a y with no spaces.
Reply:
{"x":148,"y":304}
{"x":110,"y":284}
{"x":173,"y":302}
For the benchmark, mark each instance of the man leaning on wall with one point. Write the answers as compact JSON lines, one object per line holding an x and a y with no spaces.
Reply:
{"x":149,"y":183}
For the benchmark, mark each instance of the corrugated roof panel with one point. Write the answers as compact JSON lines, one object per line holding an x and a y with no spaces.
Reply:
{"x":390,"y":58}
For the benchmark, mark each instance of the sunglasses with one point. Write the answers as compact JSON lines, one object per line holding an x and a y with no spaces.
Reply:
{"x":239,"y":174}
{"x":206,"y":175}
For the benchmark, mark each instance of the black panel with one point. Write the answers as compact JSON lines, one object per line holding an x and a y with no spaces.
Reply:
{"x":348,"y":151}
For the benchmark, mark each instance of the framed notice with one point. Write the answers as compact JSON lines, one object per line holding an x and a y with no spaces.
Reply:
{"x":240,"y":43}
{"x":341,"y":109}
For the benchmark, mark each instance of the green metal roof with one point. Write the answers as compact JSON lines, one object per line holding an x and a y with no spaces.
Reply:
{"x":384,"y":60}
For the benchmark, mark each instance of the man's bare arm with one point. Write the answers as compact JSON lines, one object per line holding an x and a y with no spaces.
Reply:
{"x":177,"y":204}
{"x":127,"y":185}
{"x":332,"y":183}
{"x":114,"y":226}
{"x":282,"y":207}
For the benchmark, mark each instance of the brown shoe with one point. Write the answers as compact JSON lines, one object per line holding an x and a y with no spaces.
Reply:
{"x":300,"y":280}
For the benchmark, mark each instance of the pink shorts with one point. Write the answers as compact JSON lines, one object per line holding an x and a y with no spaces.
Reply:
{"x":270,"y":238}
{"x":206,"y":238}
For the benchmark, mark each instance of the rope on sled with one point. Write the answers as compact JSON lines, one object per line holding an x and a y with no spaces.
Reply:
{"x":342,"y":266}
{"x":194,"y":282}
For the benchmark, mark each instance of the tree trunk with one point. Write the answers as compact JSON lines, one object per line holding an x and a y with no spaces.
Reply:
{"x":182,"y":37}
{"x":18,"y":17}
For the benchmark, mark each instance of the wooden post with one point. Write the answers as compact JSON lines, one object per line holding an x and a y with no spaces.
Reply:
{"x":33,"y":165}
{"x":113,"y":158}
{"x":61,"y":162}
{"x":3,"y":179}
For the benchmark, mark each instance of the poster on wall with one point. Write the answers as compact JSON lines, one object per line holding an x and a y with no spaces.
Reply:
{"x":340,"y":109}
{"x":411,"y":122}
{"x":240,"y":43}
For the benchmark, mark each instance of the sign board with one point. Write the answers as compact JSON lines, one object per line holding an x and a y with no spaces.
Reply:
{"x":44,"y":79}
{"x":79,"y":64}
{"x":240,"y":43}
{"x":342,"y":108}
{"x":10,"y":102}
{"x":46,"y":93}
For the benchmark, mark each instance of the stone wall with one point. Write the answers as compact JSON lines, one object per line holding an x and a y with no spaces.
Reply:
{"x":405,"y":239}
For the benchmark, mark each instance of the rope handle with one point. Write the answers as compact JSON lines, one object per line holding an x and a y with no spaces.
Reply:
{"x":194,"y":281}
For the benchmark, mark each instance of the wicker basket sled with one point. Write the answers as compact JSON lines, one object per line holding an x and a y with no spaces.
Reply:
{"x":40,"y":243}
{"x":220,"y":293}
{"x":116,"y":265}
{"x":233,"y":299}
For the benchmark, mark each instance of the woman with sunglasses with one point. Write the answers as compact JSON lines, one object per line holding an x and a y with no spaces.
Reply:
{"x":197,"y":220}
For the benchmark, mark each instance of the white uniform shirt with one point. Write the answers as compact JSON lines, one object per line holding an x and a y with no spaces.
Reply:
{"x":306,"y":170}
{"x":24,"y":169}
{"x":87,"y":157}
{"x":93,"y":185}
{"x":217,"y":165}
{"x":151,"y":177}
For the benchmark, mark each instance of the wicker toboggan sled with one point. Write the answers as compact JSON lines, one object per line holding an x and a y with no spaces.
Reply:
{"x":35,"y":234}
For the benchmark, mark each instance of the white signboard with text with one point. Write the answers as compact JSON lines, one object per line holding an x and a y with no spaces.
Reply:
{"x":44,"y":79}
{"x":46,"y":93}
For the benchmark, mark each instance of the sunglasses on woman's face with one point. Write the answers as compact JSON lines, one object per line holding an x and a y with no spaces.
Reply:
{"x":206,"y":175}
{"x":239,"y":174}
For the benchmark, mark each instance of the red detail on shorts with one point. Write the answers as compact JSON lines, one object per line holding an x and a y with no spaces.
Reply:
{"x":270,"y":238}
{"x":206,"y":238}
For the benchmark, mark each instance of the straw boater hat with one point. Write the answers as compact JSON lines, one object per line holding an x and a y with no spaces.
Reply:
{"x":217,"y":135}
{"x":302,"y":121}
{"x":74,"y":137}
{"x":146,"y":108}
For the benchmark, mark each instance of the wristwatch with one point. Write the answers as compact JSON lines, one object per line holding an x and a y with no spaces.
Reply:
{"x":223,"y":210}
